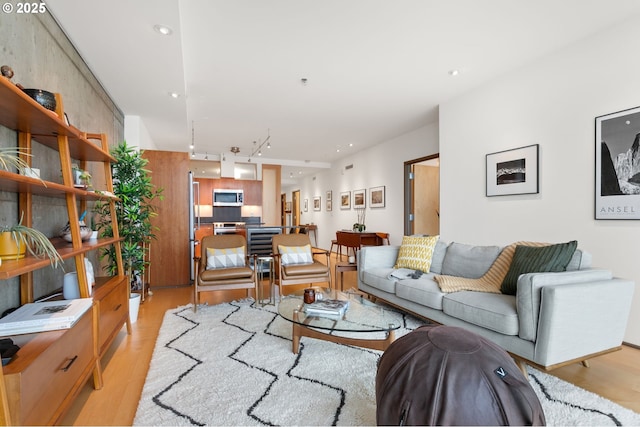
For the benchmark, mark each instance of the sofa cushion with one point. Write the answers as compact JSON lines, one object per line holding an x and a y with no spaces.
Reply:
{"x":468,"y":260}
{"x":529,"y":259}
{"x":416,"y":252}
{"x":580,"y":260}
{"x":379,"y":278}
{"x":424,"y":291}
{"x":438,"y":256}
{"x":491,"y":311}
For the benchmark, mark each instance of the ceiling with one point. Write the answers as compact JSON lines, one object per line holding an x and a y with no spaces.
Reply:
{"x":374,"y":69}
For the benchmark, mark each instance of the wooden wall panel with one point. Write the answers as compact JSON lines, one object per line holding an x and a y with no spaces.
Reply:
{"x":170,"y":253}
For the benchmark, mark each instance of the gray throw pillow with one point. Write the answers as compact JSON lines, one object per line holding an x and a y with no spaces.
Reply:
{"x":537,"y":259}
{"x":469,"y":261}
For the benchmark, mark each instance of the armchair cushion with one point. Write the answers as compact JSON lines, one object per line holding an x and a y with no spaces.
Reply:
{"x":225,"y":258}
{"x":217,"y":274}
{"x":291,"y":255}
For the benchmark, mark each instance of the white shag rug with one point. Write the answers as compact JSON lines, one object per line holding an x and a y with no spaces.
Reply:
{"x":232,"y":364}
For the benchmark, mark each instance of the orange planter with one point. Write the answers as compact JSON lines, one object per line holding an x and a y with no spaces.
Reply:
{"x":8,"y":247}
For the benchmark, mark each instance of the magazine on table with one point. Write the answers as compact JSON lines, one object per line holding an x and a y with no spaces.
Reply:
{"x":44,"y":316}
{"x":332,"y":307}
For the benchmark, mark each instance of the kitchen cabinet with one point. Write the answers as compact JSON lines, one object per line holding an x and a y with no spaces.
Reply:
{"x":32,"y":389}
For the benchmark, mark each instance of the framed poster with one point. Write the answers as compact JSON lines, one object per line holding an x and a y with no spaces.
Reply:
{"x":512,"y":171}
{"x":377,"y":197}
{"x":360,"y":198}
{"x":316,"y":203}
{"x":617,"y":167}
{"x":345,"y":200}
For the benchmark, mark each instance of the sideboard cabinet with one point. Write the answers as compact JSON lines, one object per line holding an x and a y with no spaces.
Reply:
{"x":40,"y":383}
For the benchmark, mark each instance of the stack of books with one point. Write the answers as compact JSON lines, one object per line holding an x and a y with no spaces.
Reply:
{"x":44,"y":316}
{"x":327,"y":307}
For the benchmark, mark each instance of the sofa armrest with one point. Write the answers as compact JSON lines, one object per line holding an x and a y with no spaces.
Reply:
{"x":377,"y":257}
{"x":582,"y":319}
{"x":529,"y":294}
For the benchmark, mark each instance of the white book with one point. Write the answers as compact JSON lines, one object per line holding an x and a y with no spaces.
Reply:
{"x":44,"y":316}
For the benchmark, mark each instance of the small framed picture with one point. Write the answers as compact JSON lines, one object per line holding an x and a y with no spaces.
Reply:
{"x":360,"y":199}
{"x":317,"y":205}
{"x":377,"y":197}
{"x":306,"y":205}
{"x":329,"y":205}
{"x":329,"y":193}
{"x":513,"y":171}
{"x":345,"y":200}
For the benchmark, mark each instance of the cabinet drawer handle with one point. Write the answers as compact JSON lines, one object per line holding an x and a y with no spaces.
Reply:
{"x":117,"y":307}
{"x":71,"y":362}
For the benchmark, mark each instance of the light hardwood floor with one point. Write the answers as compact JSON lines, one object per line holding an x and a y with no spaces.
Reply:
{"x":615,"y":376}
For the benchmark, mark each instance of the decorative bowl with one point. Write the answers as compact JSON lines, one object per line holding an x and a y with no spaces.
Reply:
{"x":42,"y":97}
{"x":85,"y":232}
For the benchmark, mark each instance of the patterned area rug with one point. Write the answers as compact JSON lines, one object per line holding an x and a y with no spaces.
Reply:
{"x":232,"y":364}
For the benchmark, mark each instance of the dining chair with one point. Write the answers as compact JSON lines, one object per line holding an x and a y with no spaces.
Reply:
{"x":349,"y":240}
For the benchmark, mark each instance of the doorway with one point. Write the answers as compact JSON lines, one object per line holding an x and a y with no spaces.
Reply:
{"x":422,"y":196}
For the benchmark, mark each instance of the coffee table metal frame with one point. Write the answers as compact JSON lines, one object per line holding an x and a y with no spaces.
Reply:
{"x":362,"y":316}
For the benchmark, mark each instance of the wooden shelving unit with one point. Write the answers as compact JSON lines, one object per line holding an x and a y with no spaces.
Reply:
{"x":34,"y":374}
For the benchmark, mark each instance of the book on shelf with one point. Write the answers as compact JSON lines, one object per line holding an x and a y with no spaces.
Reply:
{"x":44,"y":316}
{"x":329,"y":307}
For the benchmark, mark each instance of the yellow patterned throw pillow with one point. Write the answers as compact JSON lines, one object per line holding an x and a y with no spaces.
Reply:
{"x":416,"y":252}
{"x":225,"y":258}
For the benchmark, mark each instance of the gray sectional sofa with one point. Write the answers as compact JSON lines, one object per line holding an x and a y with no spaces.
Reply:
{"x":554,"y":318}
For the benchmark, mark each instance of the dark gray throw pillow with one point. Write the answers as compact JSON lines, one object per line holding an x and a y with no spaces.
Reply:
{"x":537,"y":259}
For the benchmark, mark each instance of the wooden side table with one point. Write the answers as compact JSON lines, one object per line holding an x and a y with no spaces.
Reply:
{"x":341,"y":267}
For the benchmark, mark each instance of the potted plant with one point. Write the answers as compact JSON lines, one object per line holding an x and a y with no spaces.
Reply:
{"x":15,"y":240}
{"x":134,"y":210}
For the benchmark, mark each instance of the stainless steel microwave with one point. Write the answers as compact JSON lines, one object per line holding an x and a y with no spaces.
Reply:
{"x":226,"y":197}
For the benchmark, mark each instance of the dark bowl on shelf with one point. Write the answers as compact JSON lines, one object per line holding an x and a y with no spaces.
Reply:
{"x":42,"y":97}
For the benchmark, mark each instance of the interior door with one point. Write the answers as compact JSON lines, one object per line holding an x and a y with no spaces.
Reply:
{"x":422,"y":196}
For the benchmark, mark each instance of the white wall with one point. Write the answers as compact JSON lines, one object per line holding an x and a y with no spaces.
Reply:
{"x":552,"y":102}
{"x":380,"y":165}
{"x":136,"y":133}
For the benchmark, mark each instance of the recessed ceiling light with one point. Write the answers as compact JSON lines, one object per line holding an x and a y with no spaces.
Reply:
{"x":163,"y":29}
{"x":453,"y":73}
{"x":174,"y":95}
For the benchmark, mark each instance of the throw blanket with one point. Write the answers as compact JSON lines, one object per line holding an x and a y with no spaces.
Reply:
{"x":491,"y":280}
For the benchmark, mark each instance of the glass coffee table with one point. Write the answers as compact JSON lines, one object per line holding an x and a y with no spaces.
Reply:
{"x":364,"y":323}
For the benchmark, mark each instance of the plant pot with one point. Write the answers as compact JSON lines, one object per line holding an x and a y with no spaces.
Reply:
{"x":134,"y":307}
{"x":8,"y":247}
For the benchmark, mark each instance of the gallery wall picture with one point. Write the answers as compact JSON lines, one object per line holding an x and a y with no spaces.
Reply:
{"x":512,"y":171}
{"x":345,"y":200}
{"x":377,"y":197}
{"x":317,"y":205}
{"x":306,"y":205}
{"x":360,"y":198}
{"x":329,"y":200}
{"x":617,"y":168}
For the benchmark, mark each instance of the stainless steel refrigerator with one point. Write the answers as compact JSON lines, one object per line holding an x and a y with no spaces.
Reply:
{"x":194,"y":199}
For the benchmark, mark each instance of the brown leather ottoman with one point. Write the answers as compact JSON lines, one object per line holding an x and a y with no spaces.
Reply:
{"x":444,"y":375}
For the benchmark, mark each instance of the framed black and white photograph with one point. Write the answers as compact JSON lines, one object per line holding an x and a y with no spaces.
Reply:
{"x":377,"y":196}
{"x":617,"y":167}
{"x":513,"y":171}
{"x":360,"y":198}
{"x":306,"y":205}
{"x":345,"y":200}
{"x":317,"y":205}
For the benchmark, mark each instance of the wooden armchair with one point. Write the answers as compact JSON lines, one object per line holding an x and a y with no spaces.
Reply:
{"x":223,"y":265}
{"x":296,"y":263}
